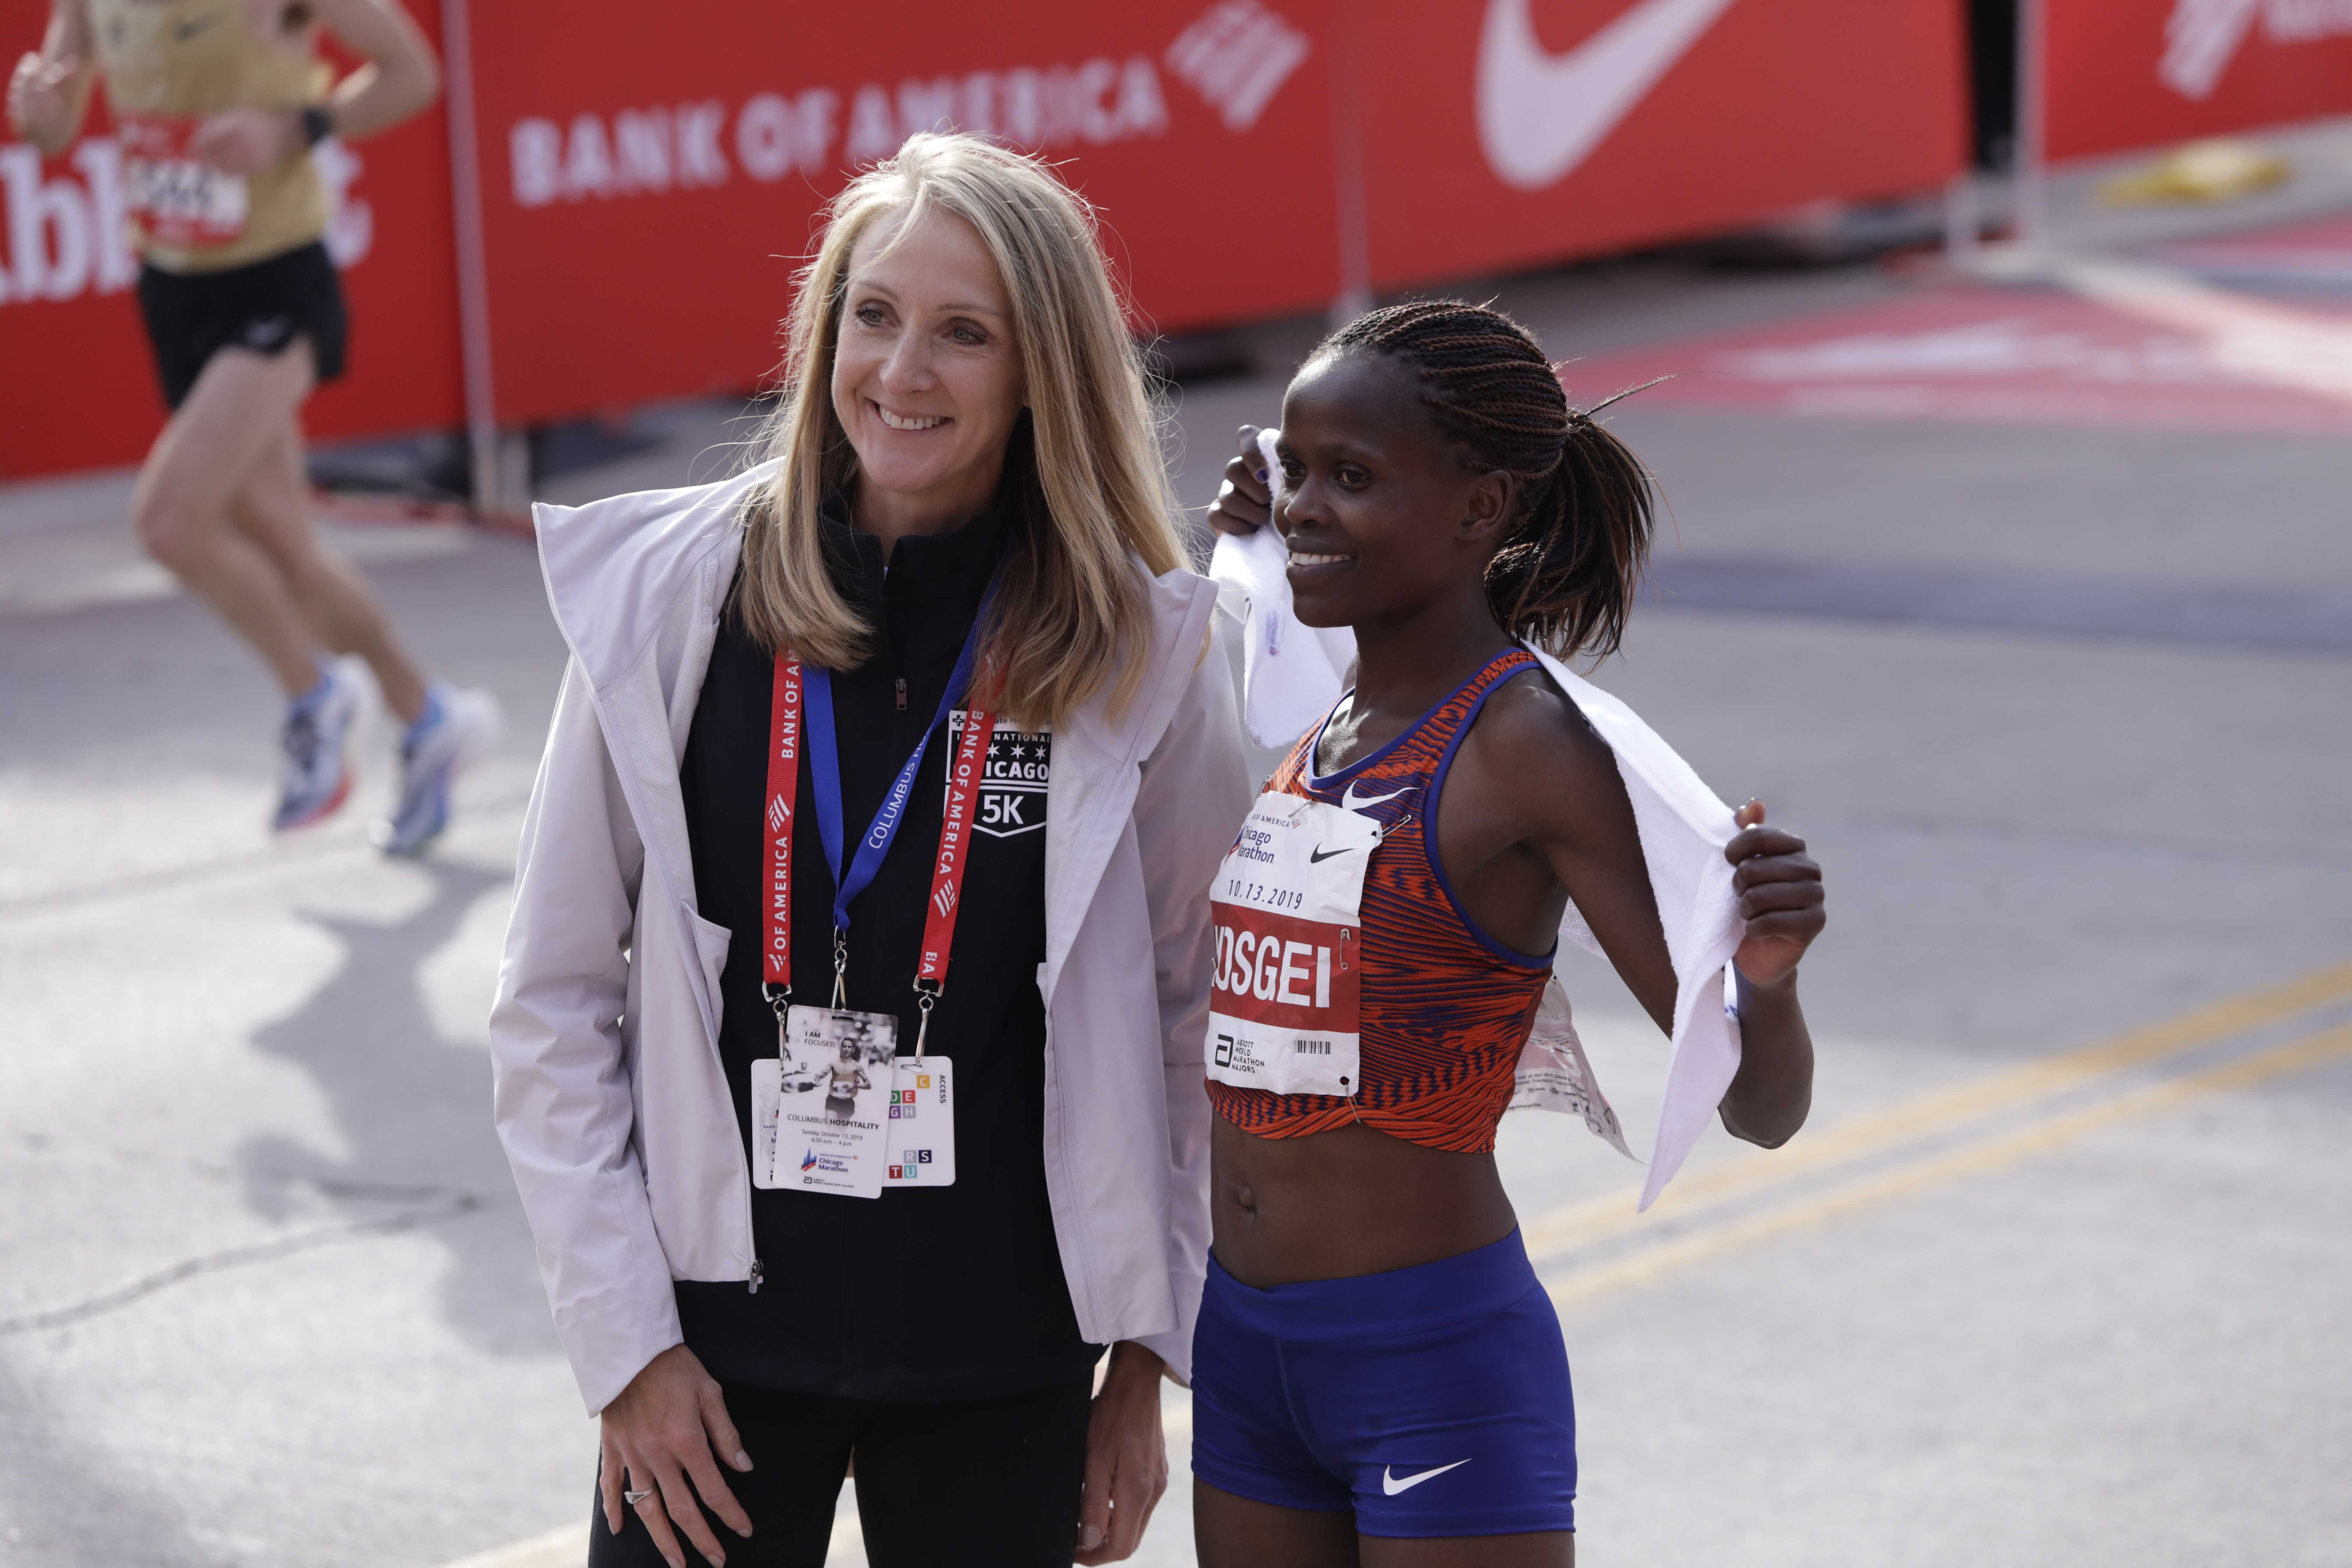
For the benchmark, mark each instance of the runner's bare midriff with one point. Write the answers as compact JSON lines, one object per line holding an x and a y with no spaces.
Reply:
{"x":1331,"y":1205}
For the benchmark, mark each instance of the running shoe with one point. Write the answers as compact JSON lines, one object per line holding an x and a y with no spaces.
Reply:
{"x":318,"y":775}
{"x":456,"y":729}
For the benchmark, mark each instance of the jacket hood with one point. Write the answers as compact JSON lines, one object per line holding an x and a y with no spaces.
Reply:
{"x":615,"y":567}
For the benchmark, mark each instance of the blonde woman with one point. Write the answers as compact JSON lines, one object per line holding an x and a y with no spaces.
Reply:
{"x":907,"y":742}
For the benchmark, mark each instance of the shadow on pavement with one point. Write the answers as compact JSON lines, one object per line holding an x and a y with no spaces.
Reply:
{"x":68,"y":1504}
{"x":414,"y":1109}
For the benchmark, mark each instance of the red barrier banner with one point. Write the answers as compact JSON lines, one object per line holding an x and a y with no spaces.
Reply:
{"x":648,"y":191}
{"x":647,"y":196}
{"x":1508,"y":132}
{"x":2124,"y":74}
{"x":81,"y":388}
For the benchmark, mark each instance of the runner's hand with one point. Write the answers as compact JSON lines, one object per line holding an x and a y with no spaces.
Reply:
{"x":247,"y":141}
{"x":1127,"y":1457}
{"x":41,"y":101}
{"x":1245,"y":501}
{"x":660,"y":1434}
{"x":1780,"y":897}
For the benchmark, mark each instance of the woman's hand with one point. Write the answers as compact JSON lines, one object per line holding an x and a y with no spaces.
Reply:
{"x":1127,"y":1457}
{"x":247,"y":141}
{"x":1780,"y":897}
{"x":1245,"y":501}
{"x":659,"y":1435}
{"x":44,"y":100}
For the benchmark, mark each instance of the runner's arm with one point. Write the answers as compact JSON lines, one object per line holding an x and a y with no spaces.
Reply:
{"x":401,"y":77}
{"x":1579,"y":826}
{"x":1585,"y":831}
{"x":49,"y":92}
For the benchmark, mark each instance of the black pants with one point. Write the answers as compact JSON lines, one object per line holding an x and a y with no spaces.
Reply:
{"x":981,"y":1483}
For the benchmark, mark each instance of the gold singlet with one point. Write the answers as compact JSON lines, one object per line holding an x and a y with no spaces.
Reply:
{"x":168,"y":64}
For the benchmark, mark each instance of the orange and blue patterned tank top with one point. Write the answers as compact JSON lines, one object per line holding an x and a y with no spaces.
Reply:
{"x":1444,"y":1008}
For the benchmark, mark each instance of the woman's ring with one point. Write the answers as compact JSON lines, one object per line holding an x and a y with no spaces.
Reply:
{"x":633,"y":1498}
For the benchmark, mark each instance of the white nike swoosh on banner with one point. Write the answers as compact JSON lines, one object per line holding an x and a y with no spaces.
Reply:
{"x":1392,"y":1485}
{"x":1540,"y":114}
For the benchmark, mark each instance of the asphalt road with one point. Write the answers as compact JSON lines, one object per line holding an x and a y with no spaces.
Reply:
{"x":2057,"y":1274}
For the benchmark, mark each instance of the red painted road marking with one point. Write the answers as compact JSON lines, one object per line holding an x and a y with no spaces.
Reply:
{"x":2003,"y":356}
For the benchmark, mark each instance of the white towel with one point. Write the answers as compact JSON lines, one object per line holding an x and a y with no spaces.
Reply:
{"x":1684,"y":828}
{"x":1291,"y":676}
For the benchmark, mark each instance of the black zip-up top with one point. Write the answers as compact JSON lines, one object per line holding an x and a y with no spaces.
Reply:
{"x":952,"y":1292}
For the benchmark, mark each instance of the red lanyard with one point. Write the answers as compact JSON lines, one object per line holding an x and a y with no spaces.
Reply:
{"x":946,"y":902}
{"x":955,"y":834}
{"x":784,"y":796}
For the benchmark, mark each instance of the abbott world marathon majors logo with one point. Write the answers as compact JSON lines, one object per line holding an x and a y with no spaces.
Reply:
{"x":67,"y":234}
{"x":1235,"y":57}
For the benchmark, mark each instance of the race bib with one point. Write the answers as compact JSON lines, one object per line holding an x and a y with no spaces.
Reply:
{"x":179,"y":199}
{"x":821,"y":1106}
{"x":922,"y":1124}
{"x":1284,"y":995}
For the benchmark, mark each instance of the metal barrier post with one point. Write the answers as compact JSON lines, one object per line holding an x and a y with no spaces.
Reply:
{"x":473,"y":269}
{"x":2031,"y":221}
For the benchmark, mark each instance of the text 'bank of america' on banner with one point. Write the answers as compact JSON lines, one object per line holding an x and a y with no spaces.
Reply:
{"x":667,"y":192}
{"x":1500,"y":134}
{"x":647,"y":198}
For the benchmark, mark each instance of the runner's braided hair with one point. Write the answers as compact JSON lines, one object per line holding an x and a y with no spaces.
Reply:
{"x":1565,"y":574}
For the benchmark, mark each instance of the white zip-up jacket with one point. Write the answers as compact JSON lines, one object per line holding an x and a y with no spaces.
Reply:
{"x":609,"y":1096}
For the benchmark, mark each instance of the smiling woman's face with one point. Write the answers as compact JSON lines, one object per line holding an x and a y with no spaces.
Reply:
{"x":927,"y":377}
{"x":1381,"y":514}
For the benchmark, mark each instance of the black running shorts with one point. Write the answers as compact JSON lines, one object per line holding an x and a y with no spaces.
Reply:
{"x":262,"y":307}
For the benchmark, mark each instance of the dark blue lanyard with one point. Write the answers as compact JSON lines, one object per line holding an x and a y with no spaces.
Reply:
{"x":824,"y":767}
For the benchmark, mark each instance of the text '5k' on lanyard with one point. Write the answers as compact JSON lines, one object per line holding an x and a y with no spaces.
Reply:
{"x":785,"y":711}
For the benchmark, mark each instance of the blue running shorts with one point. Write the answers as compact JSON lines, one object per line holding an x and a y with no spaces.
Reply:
{"x":1433,"y":1401}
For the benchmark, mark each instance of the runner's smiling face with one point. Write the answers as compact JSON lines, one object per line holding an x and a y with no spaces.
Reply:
{"x":927,"y":377}
{"x":1383,"y":514}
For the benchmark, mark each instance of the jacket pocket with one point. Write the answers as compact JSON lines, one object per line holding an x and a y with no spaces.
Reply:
{"x":711,"y":942}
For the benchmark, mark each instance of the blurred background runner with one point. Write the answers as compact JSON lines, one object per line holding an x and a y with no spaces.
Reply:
{"x":217,"y":106}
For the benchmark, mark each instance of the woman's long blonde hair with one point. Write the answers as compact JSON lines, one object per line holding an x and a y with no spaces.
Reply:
{"x":1093,"y":495}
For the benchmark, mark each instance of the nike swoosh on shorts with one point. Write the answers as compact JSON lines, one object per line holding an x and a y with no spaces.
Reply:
{"x":1540,"y":114}
{"x":1392,"y":1484}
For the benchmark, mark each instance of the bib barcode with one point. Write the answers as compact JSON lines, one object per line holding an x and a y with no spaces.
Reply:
{"x":1313,"y":1048}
